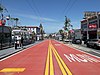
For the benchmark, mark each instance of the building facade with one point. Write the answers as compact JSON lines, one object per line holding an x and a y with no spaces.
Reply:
{"x":5,"y":37}
{"x":90,"y":27}
{"x":29,"y":32}
{"x":32,"y":29}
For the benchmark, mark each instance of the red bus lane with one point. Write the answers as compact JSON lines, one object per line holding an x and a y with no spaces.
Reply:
{"x":50,"y":58}
{"x":29,"y":62}
{"x":79,"y":63}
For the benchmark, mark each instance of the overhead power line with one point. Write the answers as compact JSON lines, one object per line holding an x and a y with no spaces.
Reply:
{"x":68,"y":10}
{"x":67,"y":5}
{"x":36,"y":8}
{"x":33,"y":9}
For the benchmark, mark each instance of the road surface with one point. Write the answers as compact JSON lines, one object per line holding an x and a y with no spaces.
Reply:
{"x":50,"y":58}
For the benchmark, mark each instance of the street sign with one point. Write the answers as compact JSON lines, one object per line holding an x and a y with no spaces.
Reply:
{"x":90,"y":13}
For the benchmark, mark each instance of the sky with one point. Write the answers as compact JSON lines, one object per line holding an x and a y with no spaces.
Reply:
{"x":50,"y":13}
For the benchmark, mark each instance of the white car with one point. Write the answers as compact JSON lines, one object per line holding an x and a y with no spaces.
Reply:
{"x":93,"y":43}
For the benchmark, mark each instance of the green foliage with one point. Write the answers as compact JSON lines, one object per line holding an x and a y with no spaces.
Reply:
{"x":16,"y":19}
{"x":41,"y":29}
{"x":60,"y":31}
{"x":67,"y":24}
{"x":1,"y":9}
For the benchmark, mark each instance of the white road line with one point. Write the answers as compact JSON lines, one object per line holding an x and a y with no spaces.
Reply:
{"x":79,"y":50}
{"x":20,"y":51}
{"x":83,"y":51}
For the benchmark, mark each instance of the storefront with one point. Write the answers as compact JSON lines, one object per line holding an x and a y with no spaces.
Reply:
{"x":5,"y":37}
{"x":90,"y":26}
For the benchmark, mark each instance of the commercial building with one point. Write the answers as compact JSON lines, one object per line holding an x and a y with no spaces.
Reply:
{"x":33,"y":31}
{"x":90,"y":26}
{"x":5,"y":37}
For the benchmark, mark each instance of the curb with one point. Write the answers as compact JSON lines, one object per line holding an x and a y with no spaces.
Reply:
{"x":4,"y":56}
{"x":14,"y":52}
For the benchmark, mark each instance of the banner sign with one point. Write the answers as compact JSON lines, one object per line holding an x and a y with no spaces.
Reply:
{"x":90,"y":13}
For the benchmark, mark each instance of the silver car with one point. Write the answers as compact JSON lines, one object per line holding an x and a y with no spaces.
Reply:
{"x":95,"y":43}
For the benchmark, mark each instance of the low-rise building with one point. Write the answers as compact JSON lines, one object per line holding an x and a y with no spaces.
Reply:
{"x":90,"y":27}
{"x":5,"y":37}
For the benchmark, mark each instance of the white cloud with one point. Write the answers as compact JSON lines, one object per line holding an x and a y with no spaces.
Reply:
{"x":49,"y":19}
{"x":37,"y":18}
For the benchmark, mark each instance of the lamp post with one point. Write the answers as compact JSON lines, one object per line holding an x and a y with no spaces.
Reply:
{"x":8,"y":18}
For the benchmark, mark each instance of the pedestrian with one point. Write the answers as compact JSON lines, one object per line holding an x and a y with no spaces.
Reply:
{"x":22,"y":41}
{"x":15,"y":42}
{"x":19,"y":41}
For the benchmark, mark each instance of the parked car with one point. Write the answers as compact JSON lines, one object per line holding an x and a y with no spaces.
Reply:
{"x":95,"y":43}
{"x":59,"y":37}
{"x":77,"y":41}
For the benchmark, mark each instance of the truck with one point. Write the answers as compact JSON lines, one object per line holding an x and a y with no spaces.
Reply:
{"x":77,"y":36}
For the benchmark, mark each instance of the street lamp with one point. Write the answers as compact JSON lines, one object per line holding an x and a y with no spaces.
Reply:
{"x":8,"y":18}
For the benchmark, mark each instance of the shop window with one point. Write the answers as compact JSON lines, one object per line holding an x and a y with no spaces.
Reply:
{"x":7,"y":35}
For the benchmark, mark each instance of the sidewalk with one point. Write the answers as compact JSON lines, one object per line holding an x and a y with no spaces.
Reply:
{"x":84,"y":48}
{"x":7,"y":52}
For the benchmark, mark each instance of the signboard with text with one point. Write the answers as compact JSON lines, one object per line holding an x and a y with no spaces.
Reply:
{"x":92,"y":26}
{"x":90,"y":13}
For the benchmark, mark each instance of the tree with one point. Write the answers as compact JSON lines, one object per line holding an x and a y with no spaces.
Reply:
{"x":68,"y":27}
{"x":41,"y":31}
{"x":60,"y":31}
{"x":67,"y":24}
{"x":2,"y":8}
{"x":16,"y":19}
